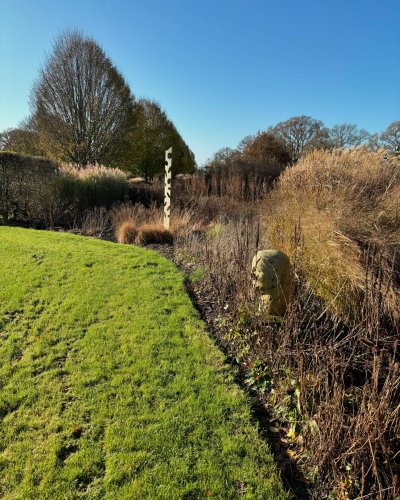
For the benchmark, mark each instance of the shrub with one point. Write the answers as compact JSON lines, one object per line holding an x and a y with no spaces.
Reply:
{"x":94,"y":185}
{"x":95,"y":222}
{"x":146,"y":194}
{"x":26,"y":187}
{"x":36,"y":190}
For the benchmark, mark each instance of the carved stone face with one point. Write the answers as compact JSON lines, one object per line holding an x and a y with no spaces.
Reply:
{"x":264,"y":275}
{"x":271,"y":274}
{"x":268,"y":270}
{"x":271,"y":269}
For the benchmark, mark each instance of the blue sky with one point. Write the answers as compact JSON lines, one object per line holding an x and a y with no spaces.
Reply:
{"x":222,"y":69}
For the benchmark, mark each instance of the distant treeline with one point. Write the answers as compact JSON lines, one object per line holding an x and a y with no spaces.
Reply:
{"x":248,"y":171}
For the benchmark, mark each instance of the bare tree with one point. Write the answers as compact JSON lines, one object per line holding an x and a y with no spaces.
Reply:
{"x":346,"y":135}
{"x":301,"y":133}
{"x":245,"y":142}
{"x":373,"y":143}
{"x":81,"y":103}
{"x":390,"y":138}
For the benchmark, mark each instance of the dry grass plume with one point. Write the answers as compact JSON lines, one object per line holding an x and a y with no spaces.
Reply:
{"x":342,"y":202}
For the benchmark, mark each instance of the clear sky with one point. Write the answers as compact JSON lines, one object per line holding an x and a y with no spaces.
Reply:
{"x":222,"y":69}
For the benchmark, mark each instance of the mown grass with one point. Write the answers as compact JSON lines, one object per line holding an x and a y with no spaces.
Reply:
{"x":110,"y":386}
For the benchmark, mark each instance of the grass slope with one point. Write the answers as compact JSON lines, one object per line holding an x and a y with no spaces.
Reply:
{"x":110,"y":386}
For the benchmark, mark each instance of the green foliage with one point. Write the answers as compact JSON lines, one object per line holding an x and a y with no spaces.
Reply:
{"x":258,"y":377}
{"x":198,"y":274}
{"x":111,"y":388}
{"x":152,"y":134}
{"x":23,"y":140}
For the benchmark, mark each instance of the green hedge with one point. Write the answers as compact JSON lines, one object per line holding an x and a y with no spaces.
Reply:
{"x":25,"y":185}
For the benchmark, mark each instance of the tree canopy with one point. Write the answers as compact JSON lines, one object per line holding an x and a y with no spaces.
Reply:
{"x":267,"y":147}
{"x":390,"y":138}
{"x":84,"y":112}
{"x":152,"y":134}
{"x":81,"y":103}
{"x":345,"y":135}
{"x":301,"y":133}
{"x":21,"y":140}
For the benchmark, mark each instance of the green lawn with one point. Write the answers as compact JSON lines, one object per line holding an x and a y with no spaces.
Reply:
{"x":110,"y":386}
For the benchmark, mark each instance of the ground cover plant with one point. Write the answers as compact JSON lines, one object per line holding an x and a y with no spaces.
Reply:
{"x":110,"y":386}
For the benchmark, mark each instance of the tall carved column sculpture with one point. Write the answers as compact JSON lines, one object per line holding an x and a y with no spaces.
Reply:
{"x":167,"y":188}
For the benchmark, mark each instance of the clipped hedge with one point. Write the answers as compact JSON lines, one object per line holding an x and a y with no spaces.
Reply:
{"x":26,"y":184}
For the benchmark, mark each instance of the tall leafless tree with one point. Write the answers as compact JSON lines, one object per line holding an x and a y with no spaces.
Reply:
{"x":346,"y":135}
{"x":81,"y":103}
{"x":301,"y":133}
{"x":390,"y":138}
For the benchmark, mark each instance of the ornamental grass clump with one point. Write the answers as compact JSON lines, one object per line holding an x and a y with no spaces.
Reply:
{"x":126,"y":232}
{"x":94,"y":172}
{"x":137,"y":225}
{"x":153,"y":233}
{"x":149,"y":222}
{"x":342,"y":202}
{"x":94,"y":185}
